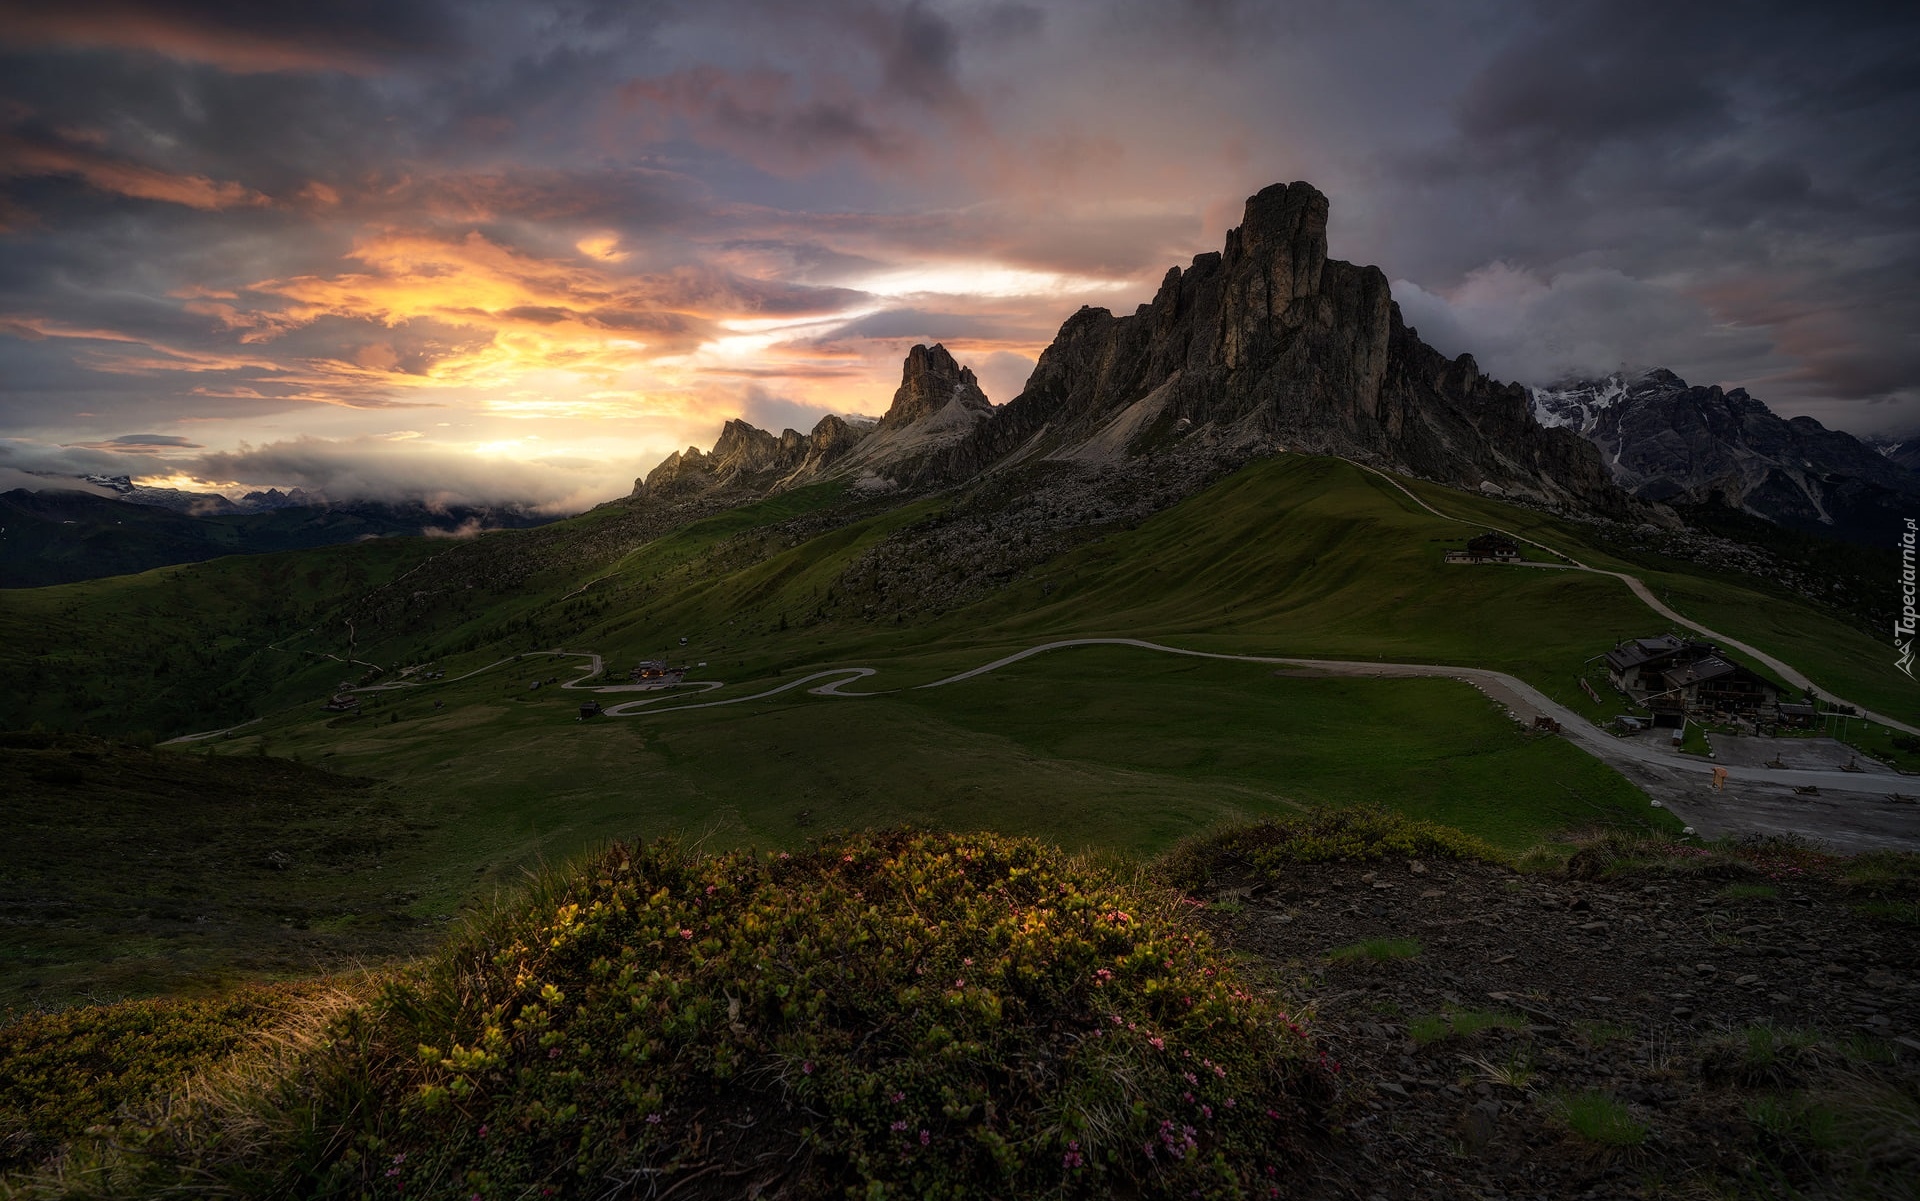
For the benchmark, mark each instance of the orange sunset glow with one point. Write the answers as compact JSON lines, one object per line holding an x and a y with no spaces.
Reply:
{"x":555,"y":246}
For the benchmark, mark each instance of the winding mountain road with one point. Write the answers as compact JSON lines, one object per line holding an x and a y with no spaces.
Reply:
{"x":1851,"y":811}
{"x":1786,"y":671}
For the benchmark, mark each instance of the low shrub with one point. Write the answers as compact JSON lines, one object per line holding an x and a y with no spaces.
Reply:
{"x":61,"y":1073}
{"x":1354,"y":834}
{"x":905,"y":1014}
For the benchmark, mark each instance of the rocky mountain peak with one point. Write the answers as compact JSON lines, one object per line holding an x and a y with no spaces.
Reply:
{"x":1284,"y":230}
{"x":930,"y":380}
{"x":746,"y":456}
{"x":1664,"y":440}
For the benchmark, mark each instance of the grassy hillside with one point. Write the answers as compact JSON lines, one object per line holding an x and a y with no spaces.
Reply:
{"x":1104,"y":748}
{"x":138,"y":872}
{"x":59,"y":537}
{"x":183,"y":648}
{"x":1827,"y":647}
{"x":1290,"y":555}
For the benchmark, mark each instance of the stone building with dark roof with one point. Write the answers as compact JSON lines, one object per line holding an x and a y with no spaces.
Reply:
{"x":1676,"y":678}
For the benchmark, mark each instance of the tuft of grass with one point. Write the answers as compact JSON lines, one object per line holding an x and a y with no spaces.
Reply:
{"x":1462,"y":1023}
{"x":1612,"y":854}
{"x":1793,"y":1121}
{"x":1599,"y":1035}
{"x":1885,"y":884}
{"x":861,"y":1018}
{"x":1749,"y":892}
{"x":1601,"y":1120}
{"x":1516,"y":1071}
{"x":1377,"y":950}
{"x":1763,"y":1055}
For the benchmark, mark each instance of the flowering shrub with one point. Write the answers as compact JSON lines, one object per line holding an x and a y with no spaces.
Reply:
{"x":904,"y":1014}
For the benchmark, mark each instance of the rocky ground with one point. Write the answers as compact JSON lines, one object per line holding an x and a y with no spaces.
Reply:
{"x":1511,"y":1035}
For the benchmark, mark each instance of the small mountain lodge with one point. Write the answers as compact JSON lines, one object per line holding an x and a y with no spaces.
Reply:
{"x":1676,"y":678}
{"x":657,"y":671}
{"x":1487,"y":548}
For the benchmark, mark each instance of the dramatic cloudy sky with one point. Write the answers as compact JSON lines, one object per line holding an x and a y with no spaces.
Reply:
{"x":499,"y":250}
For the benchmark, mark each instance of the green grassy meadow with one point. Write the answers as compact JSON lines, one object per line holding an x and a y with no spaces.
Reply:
{"x":1835,"y":655}
{"x":1109,"y":749}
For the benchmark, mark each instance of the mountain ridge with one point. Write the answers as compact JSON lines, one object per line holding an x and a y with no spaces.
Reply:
{"x":1264,"y":345}
{"x":1667,"y":441}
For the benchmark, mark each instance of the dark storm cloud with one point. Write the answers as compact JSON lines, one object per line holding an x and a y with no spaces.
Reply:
{"x":1731,"y":164}
{"x":136,"y":444}
{"x":348,"y":212}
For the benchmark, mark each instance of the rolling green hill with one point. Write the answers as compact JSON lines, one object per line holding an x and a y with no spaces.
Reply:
{"x":1105,"y":748}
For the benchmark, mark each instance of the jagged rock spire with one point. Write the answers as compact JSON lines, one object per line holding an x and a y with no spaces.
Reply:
{"x":930,"y":380}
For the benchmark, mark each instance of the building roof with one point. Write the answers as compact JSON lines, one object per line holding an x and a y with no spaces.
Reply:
{"x":1699,"y":671}
{"x":1638,"y":652}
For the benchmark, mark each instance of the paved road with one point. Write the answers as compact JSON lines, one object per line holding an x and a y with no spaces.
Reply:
{"x":1853,"y":812}
{"x":1786,"y":671}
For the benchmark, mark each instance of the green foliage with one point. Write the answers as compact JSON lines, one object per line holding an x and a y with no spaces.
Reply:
{"x":1462,"y":1023}
{"x":1598,"y":1034}
{"x":1598,"y":1118}
{"x":61,"y":1073}
{"x":1353,"y":834}
{"x":1883,"y":875}
{"x":902,"y":1014}
{"x":1377,"y":950}
{"x":1793,"y":1121}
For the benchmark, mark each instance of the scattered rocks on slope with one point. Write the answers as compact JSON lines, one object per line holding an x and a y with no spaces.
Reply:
{"x":1689,"y":1005}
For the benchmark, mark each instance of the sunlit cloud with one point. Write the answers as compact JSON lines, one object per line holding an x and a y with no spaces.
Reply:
{"x":22,"y":158}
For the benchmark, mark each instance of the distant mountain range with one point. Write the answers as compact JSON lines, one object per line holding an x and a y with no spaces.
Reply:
{"x":1266,"y":345}
{"x":206,"y":504}
{"x":1902,"y":451}
{"x":1666,"y":441}
{"x":60,"y":536}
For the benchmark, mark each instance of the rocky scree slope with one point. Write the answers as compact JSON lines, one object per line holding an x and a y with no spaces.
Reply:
{"x":1666,"y":441}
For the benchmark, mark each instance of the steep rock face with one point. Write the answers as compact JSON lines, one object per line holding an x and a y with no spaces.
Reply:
{"x":1270,"y":341}
{"x":1901,"y":452}
{"x":1666,"y":441}
{"x":938,"y":404}
{"x":748,"y":457}
{"x":930,"y":381}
